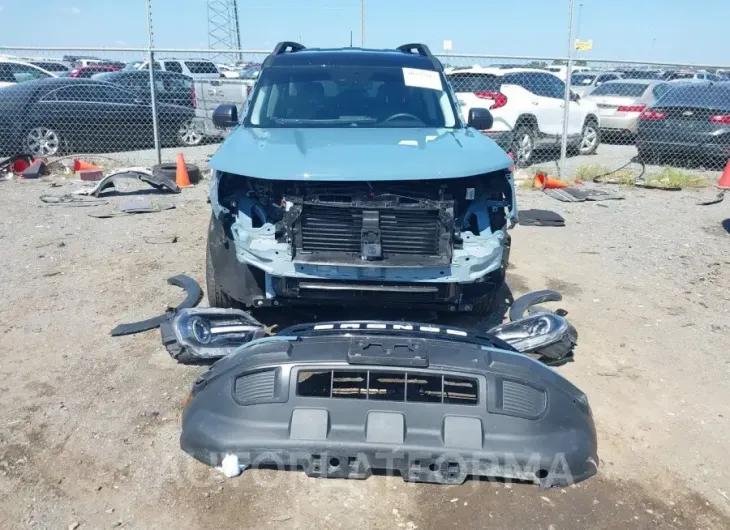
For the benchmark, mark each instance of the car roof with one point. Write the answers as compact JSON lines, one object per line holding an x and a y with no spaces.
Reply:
{"x":96,"y":67}
{"x":635,"y":82}
{"x":350,"y":57}
{"x":497,"y":71}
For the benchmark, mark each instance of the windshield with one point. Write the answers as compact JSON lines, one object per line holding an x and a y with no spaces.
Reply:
{"x":633,"y":90}
{"x":348,"y":96}
{"x":582,"y":79}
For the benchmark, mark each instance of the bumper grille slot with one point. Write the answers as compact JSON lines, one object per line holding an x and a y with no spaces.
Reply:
{"x":255,"y":387}
{"x":522,"y":400}
{"x":333,"y":229}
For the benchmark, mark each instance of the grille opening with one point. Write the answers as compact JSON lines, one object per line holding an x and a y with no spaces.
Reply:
{"x":460,"y":391}
{"x":353,"y":385}
{"x":425,"y":388}
{"x":314,"y":384}
{"x":388,"y":386}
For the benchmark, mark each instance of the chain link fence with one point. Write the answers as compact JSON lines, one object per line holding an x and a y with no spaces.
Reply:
{"x":605,"y":116}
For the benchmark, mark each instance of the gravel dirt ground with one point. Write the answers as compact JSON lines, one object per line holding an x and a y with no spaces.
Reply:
{"x":89,"y":424}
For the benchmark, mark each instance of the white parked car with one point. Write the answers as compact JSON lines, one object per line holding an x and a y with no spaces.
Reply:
{"x":584,"y":83}
{"x":527,"y":106}
{"x":228,"y":71}
{"x":562,"y":70}
{"x":13,"y":71}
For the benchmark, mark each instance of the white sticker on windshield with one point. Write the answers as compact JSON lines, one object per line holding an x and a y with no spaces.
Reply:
{"x":422,"y":78}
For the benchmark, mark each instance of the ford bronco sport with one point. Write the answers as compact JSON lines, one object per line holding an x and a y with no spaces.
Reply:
{"x":352,"y":178}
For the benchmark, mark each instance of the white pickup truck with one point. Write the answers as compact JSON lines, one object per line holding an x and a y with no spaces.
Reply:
{"x":210,"y":93}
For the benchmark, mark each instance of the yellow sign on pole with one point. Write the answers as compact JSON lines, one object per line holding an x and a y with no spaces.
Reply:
{"x":583,"y":45}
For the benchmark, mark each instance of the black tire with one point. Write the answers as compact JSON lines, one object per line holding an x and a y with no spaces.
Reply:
{"x":591,"y":125}
{"x":168,"y":171}
{"x":522,"y":134}
{"x":216,"y":296}
{"x":485,"y":305}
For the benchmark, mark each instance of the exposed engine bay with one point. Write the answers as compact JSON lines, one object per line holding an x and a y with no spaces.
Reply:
{"x":401,"y":223}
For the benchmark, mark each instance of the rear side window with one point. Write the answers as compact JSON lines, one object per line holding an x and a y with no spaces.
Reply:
{"x":18,"y":73}
{"x":544,"y":85}
{"x":633,"y":90}
{"x":201,"y":67}
{"x":661,"y":89}
{"x":174,"y":83}
{"x":472,"y":82}
{"x":173,"y":66}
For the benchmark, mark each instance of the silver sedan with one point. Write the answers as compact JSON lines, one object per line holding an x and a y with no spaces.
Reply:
{"x":620,"y":103}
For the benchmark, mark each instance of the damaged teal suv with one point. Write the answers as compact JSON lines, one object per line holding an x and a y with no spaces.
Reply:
{"x":351,"y":178}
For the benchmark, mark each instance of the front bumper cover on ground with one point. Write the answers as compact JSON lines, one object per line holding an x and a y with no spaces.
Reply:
{"x":427,"y":403}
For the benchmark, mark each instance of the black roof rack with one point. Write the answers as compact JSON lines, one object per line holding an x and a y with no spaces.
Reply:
{"x":283,"y":47}
{"x":421,"y":49}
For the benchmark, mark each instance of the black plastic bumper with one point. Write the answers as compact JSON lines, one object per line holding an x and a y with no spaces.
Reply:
{"x":525,"y":422}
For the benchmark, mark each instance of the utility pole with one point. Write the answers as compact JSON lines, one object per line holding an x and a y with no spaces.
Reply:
{"x":153,"y":91}
{"x":238,"y":29}
{"x":566,"y":99}
{"x":580,"y":17}
{"x":362,"y":23}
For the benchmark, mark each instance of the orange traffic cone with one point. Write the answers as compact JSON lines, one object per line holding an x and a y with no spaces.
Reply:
{"x":547,"y":182}
{"x":80,"y":165}
{"x":182,"y":179}
{"x":724,"y":182}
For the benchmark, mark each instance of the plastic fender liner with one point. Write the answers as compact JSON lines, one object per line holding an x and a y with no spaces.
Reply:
{"x":523,"y":303}
{"x":441,"y":413}
{"x":194,"y":294}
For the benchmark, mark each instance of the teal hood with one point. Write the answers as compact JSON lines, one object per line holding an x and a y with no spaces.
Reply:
{"x":365,"y":154}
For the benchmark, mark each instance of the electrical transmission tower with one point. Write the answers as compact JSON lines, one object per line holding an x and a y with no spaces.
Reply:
{"x":224,"y":32}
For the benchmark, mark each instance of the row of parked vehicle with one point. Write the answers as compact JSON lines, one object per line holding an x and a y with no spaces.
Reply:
{"x":665,"y":113}
{"x":103,"y":105}
{"x":92,"y":104}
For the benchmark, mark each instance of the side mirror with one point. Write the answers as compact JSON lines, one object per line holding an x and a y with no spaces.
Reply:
{"x":480,"y":119}
{"x":225,"y":116}
{"x":574,"y":97}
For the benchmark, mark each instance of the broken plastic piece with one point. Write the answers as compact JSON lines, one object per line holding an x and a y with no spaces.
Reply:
{"x":194,"y":294}
{"x":523,"y":303}
{"x":139,"y":173}
{"x":37,"y":169}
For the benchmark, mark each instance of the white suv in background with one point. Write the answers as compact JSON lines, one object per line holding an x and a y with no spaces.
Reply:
{"x":527,"y":105}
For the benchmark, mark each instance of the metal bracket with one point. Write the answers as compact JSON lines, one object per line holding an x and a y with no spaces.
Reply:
{"x":371,"y":245}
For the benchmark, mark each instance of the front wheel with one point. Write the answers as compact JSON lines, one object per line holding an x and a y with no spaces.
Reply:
{"x":590,"y":139}
{"x":42,"y":142}
{"x":216,"y":296}
{"x":523,"y":145}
